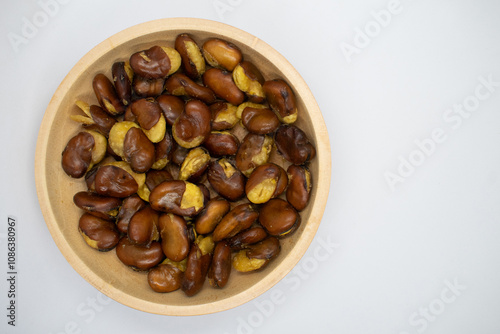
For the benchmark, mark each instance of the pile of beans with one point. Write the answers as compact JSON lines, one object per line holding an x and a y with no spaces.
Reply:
{"x":176,"y":159}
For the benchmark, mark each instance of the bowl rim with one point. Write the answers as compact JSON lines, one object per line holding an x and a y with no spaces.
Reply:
{"x":322,"y":145}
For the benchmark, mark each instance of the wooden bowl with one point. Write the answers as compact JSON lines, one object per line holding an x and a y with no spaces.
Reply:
{"x":55,"y":189}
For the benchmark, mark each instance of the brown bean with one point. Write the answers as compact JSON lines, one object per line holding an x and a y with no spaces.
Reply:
{"x":281,"y":99}
{"x":211,"y":215}
{"x":299,"y":186}
{"x":147,"y":112}
{"x":294,"y":145}
{"x":223,"y":115}
{"x":181,"y":198}
{"x":238,"y":219}
{"x":220,"y":269}
{"x":226,"y":180}
{"x":253,"y":152}
{"x":162,"y":151}
{"x":259,"y":121}
{"x":279,"y":218}
{"x":139,"y":257}
{"x":98,"y":233}
{"x":77,"y":155}
{"x":143,"y":227}
{"x":106,"y":95}
{"x":95,"y":118}
{"x":196,"y":271}
{"x":181,"y":85}
{"x":178,"y":154}
{"x":99,"y":206}
{"x":155,"y":62}
{"x":155,"y":177}
{"x":138,"y":150}
{"x":266,"y":181}
{"x":221,"y":143}
{"x":193,"y":125}
{"x":165,"y":278}
{"x":193,"y":62}
{"x":205,"y":192}
{"x":114,"y":181}
{"x":194,"y":165}
{"x":266,"y":249}
{"x":122,"y":78}
{"x":222,"y":84}
{"x":247,"y":237}
{"x":145,"y":87}
{"x":130,"y":206}
{"x":249,"y":80}
{"x":221,"y":53}
{"x":171,"y":106}
{"x":90,"y":178}
{"x":174,"y":237}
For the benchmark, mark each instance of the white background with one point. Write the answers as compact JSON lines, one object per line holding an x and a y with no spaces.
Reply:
{"x":397,"y":249}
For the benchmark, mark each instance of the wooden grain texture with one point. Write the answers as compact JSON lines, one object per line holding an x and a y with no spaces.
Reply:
{"x":55,"y":189}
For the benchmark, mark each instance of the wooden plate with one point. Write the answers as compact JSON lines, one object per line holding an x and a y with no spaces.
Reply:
{"x":55,"y":189}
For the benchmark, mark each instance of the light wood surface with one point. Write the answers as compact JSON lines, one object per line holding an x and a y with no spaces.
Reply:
{"x":55,"y":189}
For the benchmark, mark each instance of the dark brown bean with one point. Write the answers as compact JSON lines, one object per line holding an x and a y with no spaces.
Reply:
{"x":193,"y":62}
{"x":147,"y":112}
{"x":299,"y":186}
{"x":181,"y":198}
{"x":98,"y":233}
{"x":165,"y":278}
{"x":102,"y":120}
{"x":221,"y":143}
{"x":247,"y":237}
{"x":130,"y":206}
{"x":226,"y":180}
{"x":77,"y":155}
{"x":213,"y":213}
{"x":106,"y":95}
{"x":222,"y":84}
{"x":145,"y":87}
{"x":279,"y":218}
{"x":162,"y":151}
{"x":114,"y":181}
{"x":143,"y":227}
{"x":193,"y":125}
{"x":253,"y":152}
{"x":139,"y":257}
{"x":220,"y":269}
{"x":99,"y":206}
{"x":294,"y":145}
{"x":171,"y":106}
{"x":155,"y":177}
{"x":266,"y":181}
{"x":152,"y":63}
{"x":238,"y":219}
{"x":138,"y":150}
{"x":259,"y":121}
{"x":196,"y":271}
{"x":266,"y":249}
{"x":181,"y":85}
{"x":174,"y":237}
{"x":178,"y":154}
{"x":281,"y":99}
{"x":122,"y":78}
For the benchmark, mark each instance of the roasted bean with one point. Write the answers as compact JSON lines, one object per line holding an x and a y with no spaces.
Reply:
{"x":174,"y":237}
{"x":221,"y":53}
{"x":196,"y":271}
{"x":266,"y":181}
{"x":143,"y":227}
{"x":223,"y":115}
{"x":259,"y":121}
{"x":247,"y":237}
{"x":162,"y":151}
{"x":241,"y":107}
{"x":171,"y":106}
{"x":226,"y":180}
{"x":117,"y":136}
{"x":138,"y":150}
{"x":294,"y":145}
{"x":238,"y":219}
{"x":299,"y":186}
{"x":281,"y":99}
{"x":222,"y":84}
{"x":99,"y":206}
{"x":211,"y":215}
{"x":83,"y":151}
{"x":253,"y":152}
{"x":256,"y":256}
{"x":139,"y":257}
{"x":220,"y":143}
{"x":193,"y":125}
{"x":155,"y":62}
{"x":155,"y":177}
{"x":220,"y":268}
{"x":130,"y":206}
{"x":181,"y":198}
{"x":165,"y":278}
{"x":106,"y":95}
{"x":98,"y":233}
{"x":178,"y":154}
{"x":95,"y":118}
{"x":122,"y":78}
{"x":278,"y":217}
{"x":205,"y":192}
{"x":150,"y":117}
{"x":145,"y":87}
{"x":249,"y":80}
{"x":90,"y":178}
{"x":117,"y":179}
{"x":194,"y":165}
{"x":181,"y":85}
{"x":193,"y":62}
